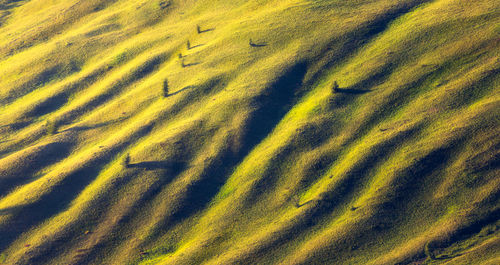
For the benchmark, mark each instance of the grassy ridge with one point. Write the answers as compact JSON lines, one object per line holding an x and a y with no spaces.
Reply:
{"x":252,"y":158}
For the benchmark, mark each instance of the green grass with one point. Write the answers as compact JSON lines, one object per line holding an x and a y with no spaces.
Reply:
{"x":251,"y":158}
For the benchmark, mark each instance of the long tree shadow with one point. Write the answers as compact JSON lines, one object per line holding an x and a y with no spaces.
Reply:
{"x":355,"y":40}
{"x":343,"y":192}
{"x":270,"y":108}
{"x":206,"y":30}
{"x":298,"y":205}
{"x":351,"y":91}
{"x":174,"y":166}
{"x":184,"y":65}
{"x":252,"y":44}
{"x":166,"y":170}
{"x":344,"y":96}
{"x":180,"y":90}
{"x":195,"y":46}
{"x":61,"y":195}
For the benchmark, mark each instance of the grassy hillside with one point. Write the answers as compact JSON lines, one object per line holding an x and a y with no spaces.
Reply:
{"x":252,"y":157}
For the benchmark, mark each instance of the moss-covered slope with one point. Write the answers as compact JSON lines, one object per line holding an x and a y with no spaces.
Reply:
{"x":252,"y":157}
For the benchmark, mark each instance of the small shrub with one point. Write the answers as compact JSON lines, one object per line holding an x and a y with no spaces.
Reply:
{"x":335,"y":87}
{"x":51,"y":127}
{"x":126,"y":160}
{"x":165,"y":88}
{"x":180,"y":55}
{"x":119,"y":59}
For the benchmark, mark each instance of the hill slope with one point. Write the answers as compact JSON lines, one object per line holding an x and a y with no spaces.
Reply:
{"x":252,"y":157}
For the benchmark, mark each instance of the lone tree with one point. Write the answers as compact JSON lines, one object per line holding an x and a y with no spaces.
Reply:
{"x":165,"y":88}
{"x":180,"y":55}
{"x":198,"y":29}
{"x":126,"y":160}
{"x":188,"y":44}
{"x":335,"y":87}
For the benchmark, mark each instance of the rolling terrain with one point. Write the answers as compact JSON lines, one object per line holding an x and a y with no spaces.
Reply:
{"x":252,"y":156}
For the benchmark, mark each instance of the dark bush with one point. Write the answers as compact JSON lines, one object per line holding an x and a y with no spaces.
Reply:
{"x":165,"y":88}
{"x":335,"y":87}
{"x":126,"y":160}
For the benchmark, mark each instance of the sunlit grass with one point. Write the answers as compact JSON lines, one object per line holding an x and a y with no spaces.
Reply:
{"x":252,"y":157}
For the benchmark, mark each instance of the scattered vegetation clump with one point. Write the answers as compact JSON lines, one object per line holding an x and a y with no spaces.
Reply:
{"x":51,"y":127}
{"x":259,"y":143}
{"x":119,"y":59}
